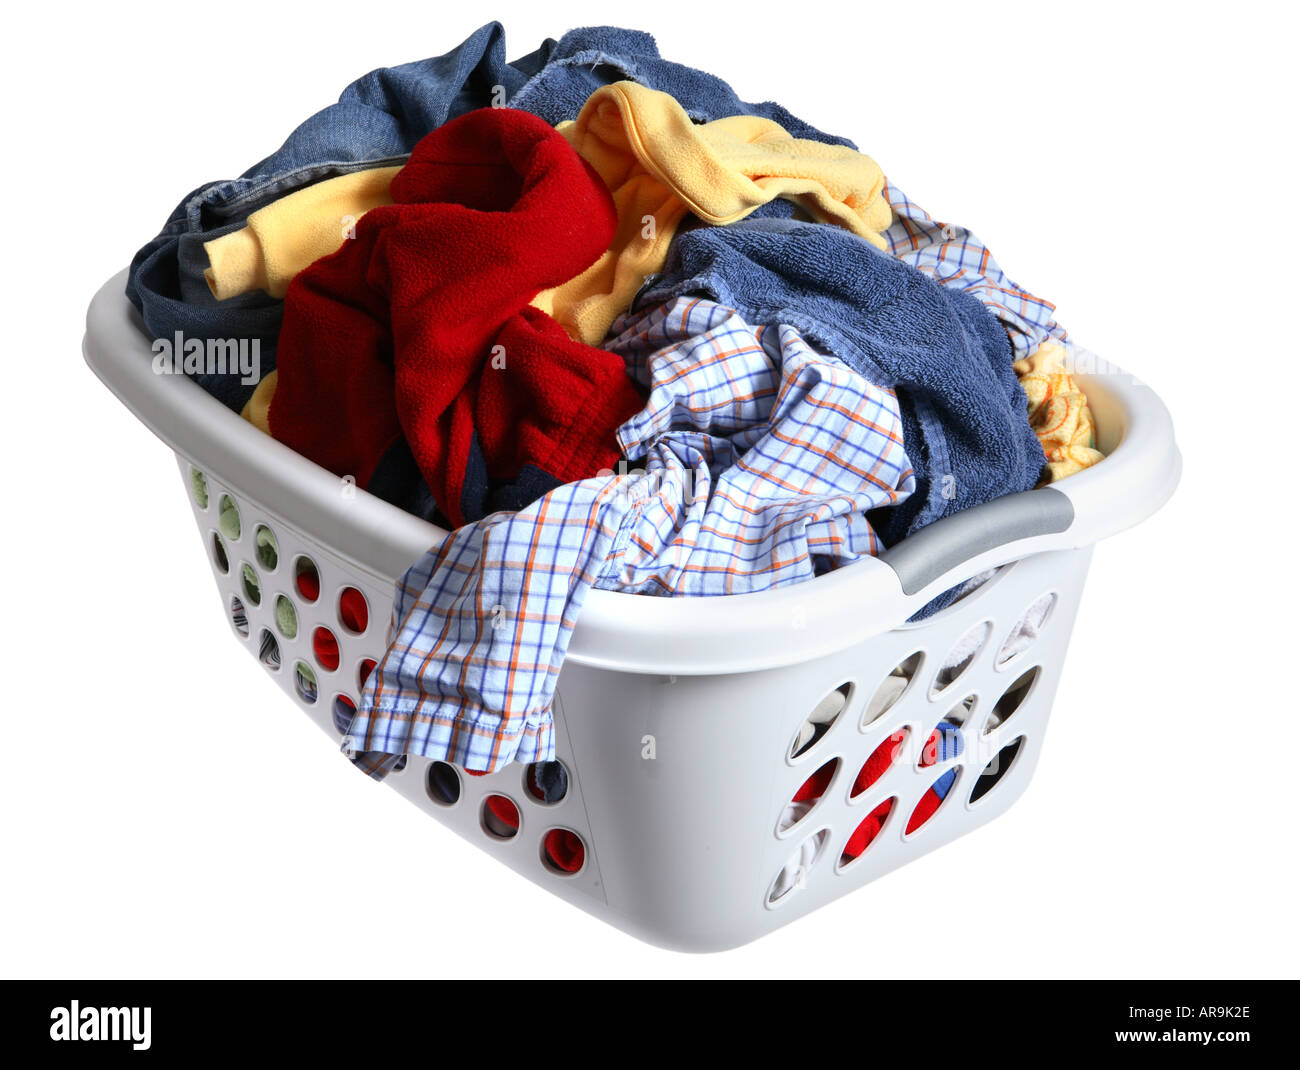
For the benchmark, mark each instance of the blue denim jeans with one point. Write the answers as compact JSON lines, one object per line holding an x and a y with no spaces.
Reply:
{"x":377,"y":120}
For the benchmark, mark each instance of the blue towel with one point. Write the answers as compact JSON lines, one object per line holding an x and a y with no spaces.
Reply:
{"x":965,"y":421}
{"x":377,"y":121}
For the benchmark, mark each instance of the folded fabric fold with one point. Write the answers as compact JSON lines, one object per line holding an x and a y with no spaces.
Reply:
{"x":418,"y":327}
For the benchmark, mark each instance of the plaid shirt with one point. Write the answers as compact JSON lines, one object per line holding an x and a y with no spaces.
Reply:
{"x":759,"y":458}
{"x":955,"y":257}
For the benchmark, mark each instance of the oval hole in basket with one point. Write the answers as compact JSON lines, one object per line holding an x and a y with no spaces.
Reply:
{"x":268,"y":651}
{"x":199,"y":487}
{"x":286,"y":617}
{"x":239,"y":616}
{"x":960,"y":713}
{"x":792,"y":876}
{"x":228,"y":517}
{"x":306,"y":579}
{"x":819,"y":721}
{"x":304,"y":682}
{"x":1027,"y":629}
{"x":251,"y":584}
{"x":219,"y":557}
{"x":935,"y":796}
{"x":344,"y":710}
{"x":500,"y":817}
{"x":354,"y":612}
{"x":265,"y":547}
{"x":547,"y":782}
{"x":563,"y":852}
{"x":961,"y":655}
{"x":868,"y":830}
{"x":442,"y":783}
{"x":999,"y":767}
{"x":325,"y":648}
{"x":879,"y":762}
{"x":1012,"y":699}
{"x":976,"y":584}
{"x":808,"y":796}
{"x":364,"y":670}
{"x":942,"y":745}
{"x":892,"y":688}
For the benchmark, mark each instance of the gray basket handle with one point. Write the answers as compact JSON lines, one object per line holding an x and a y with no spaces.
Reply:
{"x":925,"y":555}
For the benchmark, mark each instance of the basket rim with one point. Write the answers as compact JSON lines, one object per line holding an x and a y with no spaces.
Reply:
{"x":639,"y":633}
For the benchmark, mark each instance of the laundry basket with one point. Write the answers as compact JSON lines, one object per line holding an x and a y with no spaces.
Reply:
{"x":680,"y":723}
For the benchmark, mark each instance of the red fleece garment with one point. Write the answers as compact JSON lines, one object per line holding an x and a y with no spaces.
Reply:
{"x":420,"y":324}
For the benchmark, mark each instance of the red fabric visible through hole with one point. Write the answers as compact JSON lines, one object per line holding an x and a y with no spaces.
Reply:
{"x":326,"y":648}
{"x":866,"y":832}
{"x":815,"y":786}
{"x":564,"y":849}
{"x":878,"y":764}
{"x":504,"y":810}
{"x":925,"y":810}
{"x":363,"y":674}
{"x":353,"y":610}
{"x":308,"y":584}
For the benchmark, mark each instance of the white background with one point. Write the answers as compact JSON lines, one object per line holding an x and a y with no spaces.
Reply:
{"x":1133,"y":163}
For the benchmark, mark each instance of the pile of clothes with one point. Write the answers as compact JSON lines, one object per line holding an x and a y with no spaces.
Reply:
{"x":614,"y":328}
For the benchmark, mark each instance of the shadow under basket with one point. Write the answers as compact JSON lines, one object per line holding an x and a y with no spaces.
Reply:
{"x":724,"y":765}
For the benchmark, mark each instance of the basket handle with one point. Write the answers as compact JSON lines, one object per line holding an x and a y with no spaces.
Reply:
{"x":927,"y":554}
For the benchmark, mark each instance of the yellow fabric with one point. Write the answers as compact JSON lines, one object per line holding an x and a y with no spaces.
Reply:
{"x":659,"y":165}
{"x":258,"y":407}
{"x":1058,"y":412}
{"x":292,"y":232}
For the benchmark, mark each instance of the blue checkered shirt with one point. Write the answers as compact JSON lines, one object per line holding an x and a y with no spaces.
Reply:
{"x":750,"y":467}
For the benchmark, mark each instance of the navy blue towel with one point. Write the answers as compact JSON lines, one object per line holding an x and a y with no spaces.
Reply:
{"x":965,"y":420}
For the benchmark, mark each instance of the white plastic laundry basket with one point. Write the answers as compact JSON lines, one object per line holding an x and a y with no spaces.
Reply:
{"x":677,"y":719}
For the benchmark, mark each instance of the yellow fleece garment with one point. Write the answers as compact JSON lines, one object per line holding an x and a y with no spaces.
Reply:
{"x":659,"y":165}
{"x":1058,"y":412}
{"x":257,"y":409}
{"x":293,"y":232}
